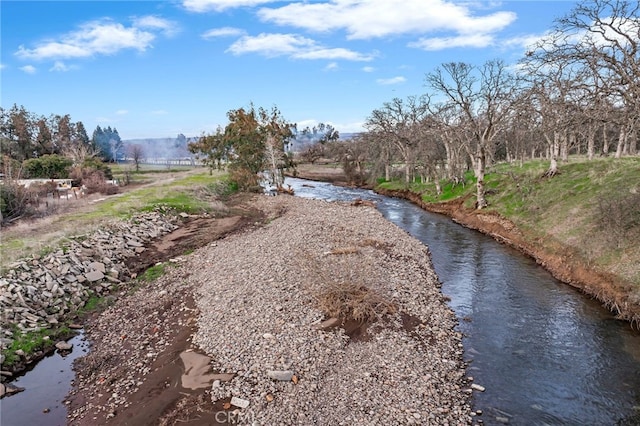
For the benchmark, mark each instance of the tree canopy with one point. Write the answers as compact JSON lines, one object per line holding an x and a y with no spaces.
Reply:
{"x":251,"y":143}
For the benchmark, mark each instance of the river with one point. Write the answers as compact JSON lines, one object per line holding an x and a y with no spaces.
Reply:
{"x":546,"y":353}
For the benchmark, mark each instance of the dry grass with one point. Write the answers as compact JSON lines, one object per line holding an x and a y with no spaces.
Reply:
{"x":342,"y":286}
{"x":353,"y":301}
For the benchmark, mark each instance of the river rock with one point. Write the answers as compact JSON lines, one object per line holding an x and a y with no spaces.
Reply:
{"x":39,"y":291}
{"x":93,"y":276}
{"x":64,"y":346}
{"x":239,"y":402}
{"x":280,"y":375}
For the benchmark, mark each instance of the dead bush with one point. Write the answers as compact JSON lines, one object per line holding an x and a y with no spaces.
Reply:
{"x":94,"y":181}
{"x":16,"y":201}
{"x":353,"y":301}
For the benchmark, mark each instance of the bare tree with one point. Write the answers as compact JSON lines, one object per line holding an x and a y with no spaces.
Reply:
{"x":480,"y":98}
{"x":400,"y":122}
{"x":136,"y":153}
{"x":604,"y":37}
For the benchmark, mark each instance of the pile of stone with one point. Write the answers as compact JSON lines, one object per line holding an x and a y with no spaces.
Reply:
{"x":38,"y":291}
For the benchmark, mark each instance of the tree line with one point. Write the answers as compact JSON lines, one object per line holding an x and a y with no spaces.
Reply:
{"x":576,"y":91}
{"x":28,"y":137}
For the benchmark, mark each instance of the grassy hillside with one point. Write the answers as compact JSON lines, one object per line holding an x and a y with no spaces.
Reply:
{"x":592,"y":208}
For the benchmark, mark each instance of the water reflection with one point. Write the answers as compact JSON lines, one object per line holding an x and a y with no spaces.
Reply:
{"x":545,"y":353}
{"x":45,"y":387}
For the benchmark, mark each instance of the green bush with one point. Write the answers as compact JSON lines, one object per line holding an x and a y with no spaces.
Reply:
{"x":47,"y":167}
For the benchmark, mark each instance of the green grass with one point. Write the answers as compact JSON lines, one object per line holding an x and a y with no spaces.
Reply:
{"x":563,"y":208}
{"x":191,"y":192}
{"x":153,"y":273}
{"x":179,"y":194}
{"x":93,"y":303}
{"x":33,"y":342}
{"x":428,"y":191}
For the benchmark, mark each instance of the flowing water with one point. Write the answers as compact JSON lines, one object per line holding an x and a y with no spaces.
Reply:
{"x":546,"y":354}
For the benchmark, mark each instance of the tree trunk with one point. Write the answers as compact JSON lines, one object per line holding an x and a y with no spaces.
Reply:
{"x":591,"y":143}
{"x":553,"y":147}
{"x":481,"y":201}
{"x":622,"y":137}
{"x":564,"y":147}
{"x":605,"y":141}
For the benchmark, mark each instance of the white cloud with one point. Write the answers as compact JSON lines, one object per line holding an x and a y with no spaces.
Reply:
{"x":390,"y":81}
{"x":103,"y":37}
{"x":332,"y":66}
{"x":440,"y":43}
{"x":29,"y":69}
{"x":122,"y":112}
{"x":368,"y":69}
{"x":334,"y":53}
{"x":169,"y":28}
{"x":60,"y":66}
{"x":366,"y":19}
{"x":223,"y":32}
{"x":271,"y":44}
{"x":2,"y":66}
{"x":292,"y":45}
{"x":200,"y":6}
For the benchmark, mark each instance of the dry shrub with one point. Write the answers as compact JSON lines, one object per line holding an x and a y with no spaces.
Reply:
{"x":16,"y":201}
{"x":94,"y":181}
{"x":353,"y":301}
{"x":340,"y":288}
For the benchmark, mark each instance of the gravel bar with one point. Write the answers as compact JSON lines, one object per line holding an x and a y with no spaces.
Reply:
{"x":253,"y":302}
{"x":259,"y":295}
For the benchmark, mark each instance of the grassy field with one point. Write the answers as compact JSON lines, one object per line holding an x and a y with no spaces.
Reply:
{"x":591,"y":207}
{"x":189,"y":190}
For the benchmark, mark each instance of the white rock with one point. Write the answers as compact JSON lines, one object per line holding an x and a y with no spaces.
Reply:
{"x":239,"y":402}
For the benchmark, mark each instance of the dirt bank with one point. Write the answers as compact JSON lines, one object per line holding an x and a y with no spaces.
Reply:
{"x":569,"y":268}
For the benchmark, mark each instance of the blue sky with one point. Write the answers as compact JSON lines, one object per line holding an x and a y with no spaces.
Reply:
{"x":157,"y":69}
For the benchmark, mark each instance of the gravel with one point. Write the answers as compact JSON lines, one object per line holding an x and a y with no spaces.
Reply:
{"x":257,"y":314}
{"x":258,"y":297}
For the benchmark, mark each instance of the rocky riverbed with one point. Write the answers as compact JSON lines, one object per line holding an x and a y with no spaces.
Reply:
{"x":326,"y":314}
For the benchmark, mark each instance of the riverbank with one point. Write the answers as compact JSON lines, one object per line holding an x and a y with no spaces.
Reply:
{"x":561,"y":260}
{"x":325,"y":300}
